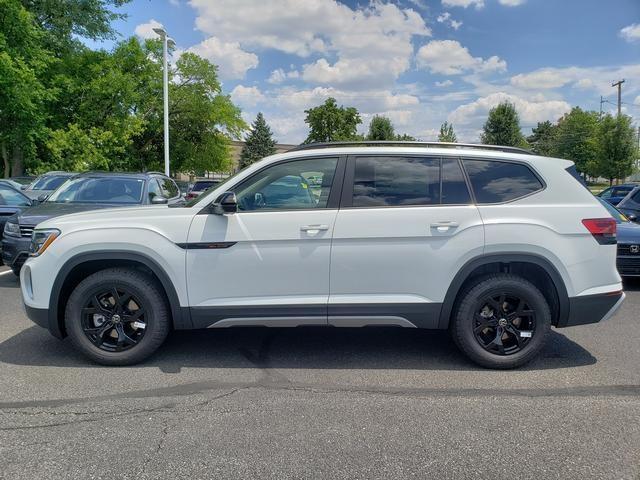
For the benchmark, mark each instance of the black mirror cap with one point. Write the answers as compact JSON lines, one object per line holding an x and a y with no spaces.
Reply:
{"x":42,"y":198}
{"x":632,"y":217}
{"x":226,"y":203}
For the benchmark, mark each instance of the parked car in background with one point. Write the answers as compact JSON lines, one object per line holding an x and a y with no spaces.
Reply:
{"x":184,"y":186}
{"x":23,"y":180}
{"x":45,"y":184}
{"x":80,"y":193}
{"x":630,"y":205}
{"x":492,"y":243}
{"x":201,"y":186}
{"x":11,"y":183}
{"x":12,"y":201}
{"x":615,"y":194}
{"x":628,"y":257}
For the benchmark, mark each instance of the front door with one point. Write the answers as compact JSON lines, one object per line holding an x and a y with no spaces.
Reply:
{"x":267,"y":264}
{"x":405,"y":228}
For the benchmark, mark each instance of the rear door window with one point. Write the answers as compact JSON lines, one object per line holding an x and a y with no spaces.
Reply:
{"x":389,"y":181}
{"x":498,"y":182}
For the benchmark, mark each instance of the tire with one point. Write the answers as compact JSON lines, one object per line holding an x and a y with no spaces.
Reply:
{"x":497,"y":345}
{"x":149,"y":329}
{"x":16,"y":270}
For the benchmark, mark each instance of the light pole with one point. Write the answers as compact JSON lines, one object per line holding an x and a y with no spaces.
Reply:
{"x":166,"y":43}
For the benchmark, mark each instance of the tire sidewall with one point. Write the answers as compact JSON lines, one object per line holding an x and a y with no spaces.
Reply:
{"x":464,"y":320}
{"x":156,"y":319}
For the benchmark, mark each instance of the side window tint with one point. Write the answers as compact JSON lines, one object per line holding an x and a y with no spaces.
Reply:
{"x":636,"y":196}
{"x":454,"y":188}
{"x":300,"y":184}
{"x":154,"y":189}
{"x":606,"y":193}
{"x":393,"y":181}
{"x":9,"y":196}
{"x":496,"y":182}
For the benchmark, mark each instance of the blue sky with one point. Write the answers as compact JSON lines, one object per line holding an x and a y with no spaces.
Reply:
{"x":420,"y":62}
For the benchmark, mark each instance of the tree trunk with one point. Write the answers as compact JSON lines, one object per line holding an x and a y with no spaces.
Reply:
{"x":5,"y":161}
{"x":17,"y":169}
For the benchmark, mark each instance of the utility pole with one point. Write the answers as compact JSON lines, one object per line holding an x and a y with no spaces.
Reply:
{"x":166,"y":43}
{"x":619,"y":85}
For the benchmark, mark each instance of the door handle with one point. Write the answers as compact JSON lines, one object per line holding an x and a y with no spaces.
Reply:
{"x":314,"y":228}
{"x":444,"y":226}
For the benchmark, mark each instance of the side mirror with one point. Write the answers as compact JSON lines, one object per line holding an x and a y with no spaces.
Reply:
{"x":226,"y":203}
{"x":24,"y":187}
{"x":42,"y":197}
{"x":158,"y":200}
{"x":632,"y":217}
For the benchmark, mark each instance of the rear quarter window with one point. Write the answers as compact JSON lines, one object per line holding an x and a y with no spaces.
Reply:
{"x":499,"y":182}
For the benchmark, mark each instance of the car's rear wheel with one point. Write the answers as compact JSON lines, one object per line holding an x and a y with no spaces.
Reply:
{"x":117,"y":316}
{"x":501,"y":321}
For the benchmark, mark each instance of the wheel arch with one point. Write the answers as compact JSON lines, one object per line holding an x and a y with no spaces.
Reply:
{"x":79,"y":266}
{"x":552,"y":284}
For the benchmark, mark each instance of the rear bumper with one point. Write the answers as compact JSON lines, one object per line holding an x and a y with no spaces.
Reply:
{"x":592,"y":308}
{"x":15,"y":250}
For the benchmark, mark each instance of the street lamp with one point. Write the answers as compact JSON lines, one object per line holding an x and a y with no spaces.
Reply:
{"x":166,"y":43}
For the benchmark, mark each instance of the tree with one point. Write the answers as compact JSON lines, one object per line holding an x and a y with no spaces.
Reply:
{"x":381,"y":128}
{"x":615,"y":147}
{"x":405,"y":138}
{"x":330,"y":123}
{"x":446,"y":133}
{"x":503,"y":127}
{"x":575,"y":140}
{"x":23,"y":61}
{"x":258,"y":144}
{"x":543,"y":138}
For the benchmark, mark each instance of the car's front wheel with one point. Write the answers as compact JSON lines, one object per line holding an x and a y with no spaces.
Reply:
{"x":117,"y":316}
{"x":501,"y":321}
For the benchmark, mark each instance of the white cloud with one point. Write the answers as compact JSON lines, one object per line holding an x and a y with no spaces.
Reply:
{"x":175,"y":3}
{"x":511,"y":3}
{"x":545,"y":78}
{"x":463,"y":3}
{"x":449,"y":57}
{"x":279,"y":75}
{"x":247,"y":96}
{"x":364,"y":40}
{"x":637,"y":100}
{"x":446,"y":83}
{"x":145,"y":30}
{"x":232,"y":60}
{"x":530,"y":111}
{"x":631,"y":33}
{"x":446,"y":19}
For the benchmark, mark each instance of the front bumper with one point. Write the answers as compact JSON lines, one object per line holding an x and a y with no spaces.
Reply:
{"x":628,"y":259}
{"x":15,"y":250}
{"x":593,"y":308}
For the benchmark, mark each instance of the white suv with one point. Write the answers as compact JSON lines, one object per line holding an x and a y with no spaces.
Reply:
{"x":492,"y":243}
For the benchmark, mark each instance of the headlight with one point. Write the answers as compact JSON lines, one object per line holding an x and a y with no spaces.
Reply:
{"x":41,"y":239}
{"x":12,"y":229}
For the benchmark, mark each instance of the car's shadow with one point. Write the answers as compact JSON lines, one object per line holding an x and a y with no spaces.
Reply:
{"x":297,"y":348}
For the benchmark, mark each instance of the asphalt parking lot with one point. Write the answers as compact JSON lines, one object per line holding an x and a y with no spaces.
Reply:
{"x":310,"y":403}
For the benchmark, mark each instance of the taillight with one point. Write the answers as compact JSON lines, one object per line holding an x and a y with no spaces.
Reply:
{"x":602,"y":229}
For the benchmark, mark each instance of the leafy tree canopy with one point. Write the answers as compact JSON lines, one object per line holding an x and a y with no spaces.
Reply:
{"x":330,"y":123}
{"x":381,"y":128}
{"x":446,"y":133}
{"x":543,"y":138}
{"x":575,"y":139}
{"x":616,"y":150}
{"x":503,"y":127}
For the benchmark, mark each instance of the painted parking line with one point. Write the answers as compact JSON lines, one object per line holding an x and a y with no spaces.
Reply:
{"x":5,"y":272}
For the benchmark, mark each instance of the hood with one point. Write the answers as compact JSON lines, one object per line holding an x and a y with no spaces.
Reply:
{"x":628,"y":232}
{"x":34,"y":194}
{"x":44,"y":211}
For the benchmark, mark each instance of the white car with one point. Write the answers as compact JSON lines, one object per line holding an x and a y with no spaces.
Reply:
{"x":493,"y":243}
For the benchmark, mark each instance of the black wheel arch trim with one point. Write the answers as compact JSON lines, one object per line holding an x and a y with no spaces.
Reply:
{"x":181,"y":315}
{"x":506,"y":258}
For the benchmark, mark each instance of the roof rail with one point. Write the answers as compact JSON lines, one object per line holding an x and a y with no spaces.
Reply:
{"x":393,"y":143}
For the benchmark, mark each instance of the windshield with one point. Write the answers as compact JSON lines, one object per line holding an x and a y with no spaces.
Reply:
{"x":49,"y":182}
{"x":115,"y":190}
{"x":618,"y":216}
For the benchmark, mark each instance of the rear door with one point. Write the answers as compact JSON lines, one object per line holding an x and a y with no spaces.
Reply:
{"x":406,"y":226}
